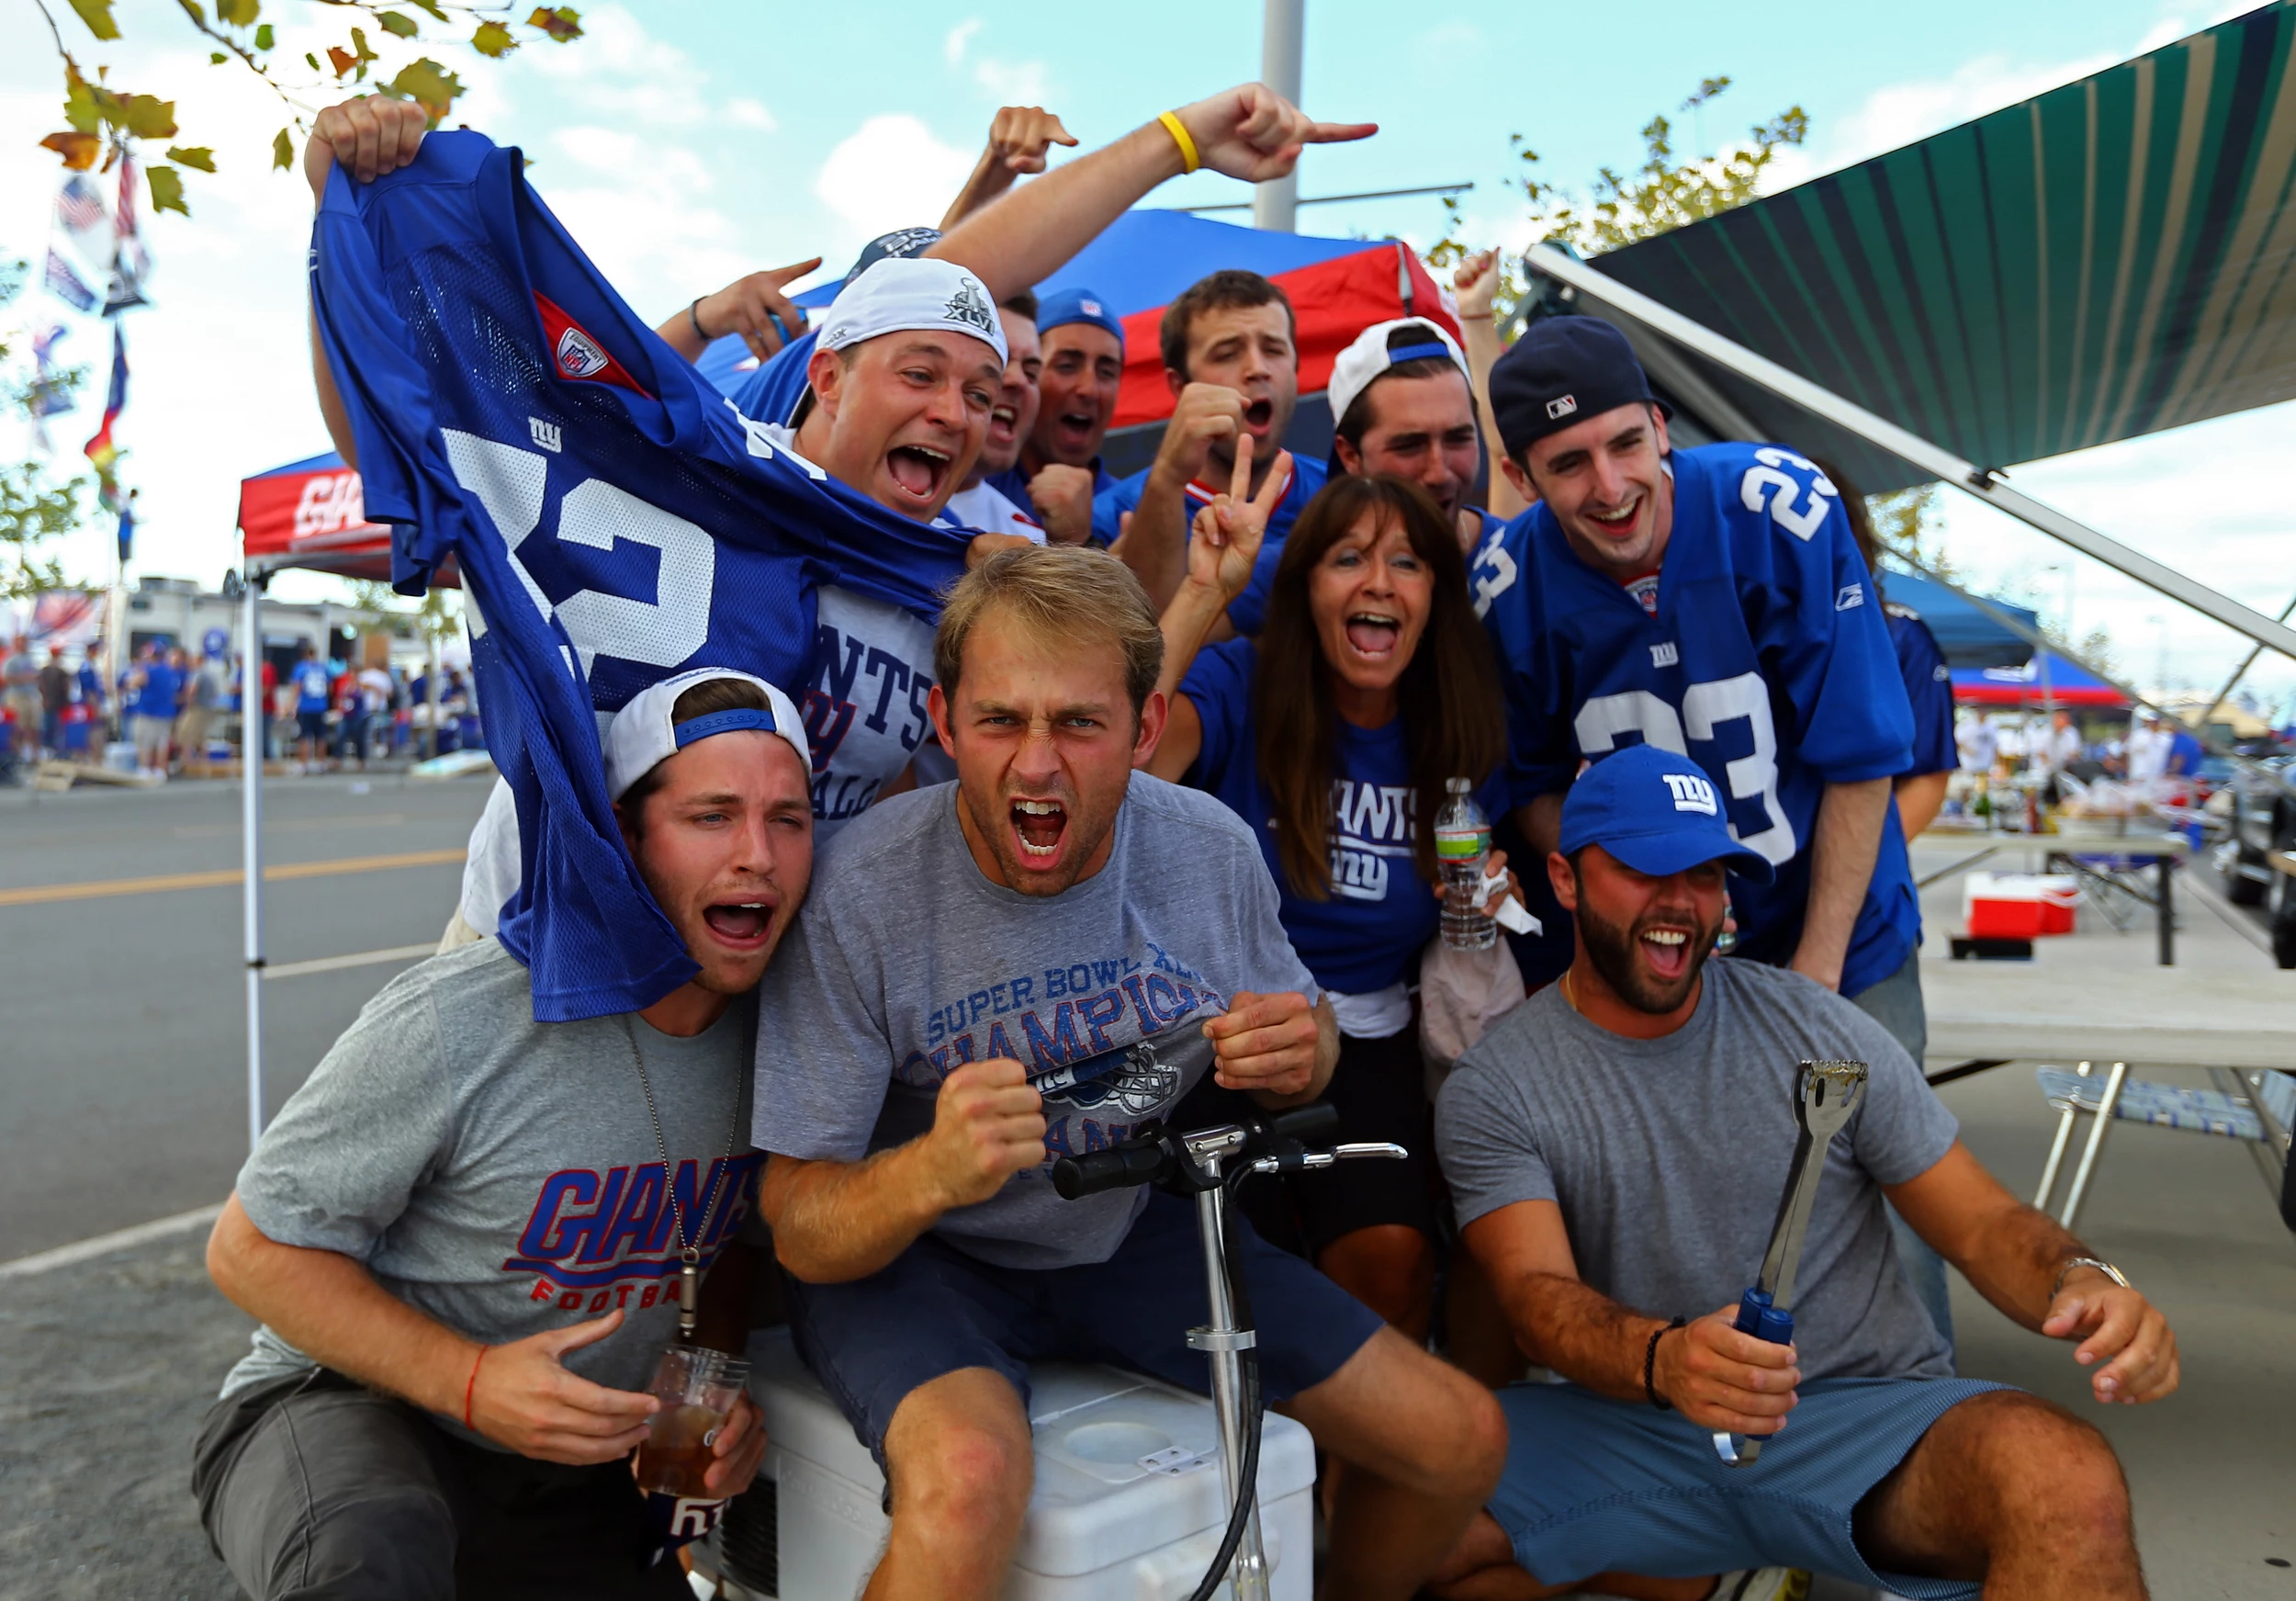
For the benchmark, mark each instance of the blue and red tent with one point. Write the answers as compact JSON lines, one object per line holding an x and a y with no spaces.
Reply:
{"x":312,"y":513}
{"x":1337,"y":288}
{"x":2048,"y":679}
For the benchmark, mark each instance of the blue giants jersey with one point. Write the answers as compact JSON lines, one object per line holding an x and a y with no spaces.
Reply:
{"x":1767,"y":663}
{"x":614,"y":519}
{"x":1928,"y":687}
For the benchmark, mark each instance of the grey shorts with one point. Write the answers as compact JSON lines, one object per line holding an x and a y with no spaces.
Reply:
{"x":1595,"y":1485}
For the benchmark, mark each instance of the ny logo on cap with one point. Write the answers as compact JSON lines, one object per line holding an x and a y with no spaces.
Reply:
{"x":969,"y":306}
{"x":1562,"y":408}
{"x":578,"y":355}
{"x":1692,"y":793}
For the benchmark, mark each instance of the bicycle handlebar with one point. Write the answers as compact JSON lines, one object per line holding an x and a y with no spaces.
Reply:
{"x":1118,"y":1168}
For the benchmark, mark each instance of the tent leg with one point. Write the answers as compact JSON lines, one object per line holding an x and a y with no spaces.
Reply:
{"x":254,"y":719}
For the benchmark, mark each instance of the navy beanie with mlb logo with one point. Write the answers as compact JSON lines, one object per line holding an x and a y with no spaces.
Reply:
{"x":1560,"y":372}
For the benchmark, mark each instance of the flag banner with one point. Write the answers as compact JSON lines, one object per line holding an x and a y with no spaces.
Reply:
{"x":69,"y":619}
{"x":100,"y":449}
{"x":49,"y":396}
{"x":64,"y":283}
{"x":82,"y":222}
{"x":614,"y":519}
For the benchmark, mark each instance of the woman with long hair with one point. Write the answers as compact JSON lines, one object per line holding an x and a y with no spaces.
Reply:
{"x":1332,"y":735}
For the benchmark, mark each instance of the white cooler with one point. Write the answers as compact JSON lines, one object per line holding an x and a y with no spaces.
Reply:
{"x":1127,"y":1504}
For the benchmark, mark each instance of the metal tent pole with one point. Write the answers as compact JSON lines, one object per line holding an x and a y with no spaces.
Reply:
{"x":254,"y":722}
{"x":1276,"y":204}
{"x":1982,"y":482}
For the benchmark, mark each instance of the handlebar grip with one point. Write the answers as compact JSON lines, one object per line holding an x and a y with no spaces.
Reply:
{"x":1118,"y":1168}
{"x":1316,"y":1123}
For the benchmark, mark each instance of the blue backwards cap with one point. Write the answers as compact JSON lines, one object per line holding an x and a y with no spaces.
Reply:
{"x":1063,"y":307}
{"x":1657,"y":812}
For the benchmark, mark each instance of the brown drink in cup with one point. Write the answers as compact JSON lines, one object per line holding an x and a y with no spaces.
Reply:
{"x":697,"y":1389}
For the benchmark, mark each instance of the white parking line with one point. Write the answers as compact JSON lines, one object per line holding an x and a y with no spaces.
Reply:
{"x":105,"y":1245}
{"x":359,"y":959}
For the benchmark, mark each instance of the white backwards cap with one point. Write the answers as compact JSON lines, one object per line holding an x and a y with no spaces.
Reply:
{"x":1368,"y":357}
{"x":922,"y":294}
{"x":642,"y":736}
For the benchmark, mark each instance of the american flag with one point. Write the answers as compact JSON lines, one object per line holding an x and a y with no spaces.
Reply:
{"x":77,"y":206}
{"x":65,"y":285}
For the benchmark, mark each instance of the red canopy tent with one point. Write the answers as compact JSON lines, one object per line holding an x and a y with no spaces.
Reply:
{"x":312,"y":513}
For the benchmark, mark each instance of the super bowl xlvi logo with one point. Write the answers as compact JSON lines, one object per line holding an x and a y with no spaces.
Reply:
{"x":578,"y":355}
{"x":971,"y":307}
{"x":1692,"y":793}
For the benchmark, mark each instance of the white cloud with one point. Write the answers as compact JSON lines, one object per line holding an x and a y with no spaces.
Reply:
{"x":953,"y":47}
{"x":744,"y":112}
{"x":889,"y":172}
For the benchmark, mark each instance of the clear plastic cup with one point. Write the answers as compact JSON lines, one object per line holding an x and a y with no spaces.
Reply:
{"x":697,"y":1390}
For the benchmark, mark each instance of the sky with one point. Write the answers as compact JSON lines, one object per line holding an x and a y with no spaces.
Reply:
{"x":684,"y":142}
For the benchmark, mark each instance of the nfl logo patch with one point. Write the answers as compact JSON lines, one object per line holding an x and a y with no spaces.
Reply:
{"x":578,"y":355}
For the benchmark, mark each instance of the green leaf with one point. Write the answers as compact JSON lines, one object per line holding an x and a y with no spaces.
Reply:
{"x":197,"y":156}
{"x":235,"y":13}
{"x":397,"y":24}
{"x":264,"y":37}
{"x":147,"y":116}
{"x":493,"y":39}
{"x":167,"y":190}
{"x":562,"y":23}
{"x":282,"y":150}
{"x":314,"y":61}
{"x":216,"y":58}
{"x":429,"y":85}
{"x":97,"y":14}
{"x":432,"y":8}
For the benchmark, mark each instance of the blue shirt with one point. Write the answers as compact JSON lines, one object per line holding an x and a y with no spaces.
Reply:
{"x":1248,"y":610}
{"x":162,"y":684}
{"x":615,"y":518}
{"x":310,"y":686}
{"x":771,"y":393}
{"x":1013,"y":484}
{"x":1765,"y":663}
{"x":1380,"y":913}
{"x":1928,"y":688}
{"x":2186,"y":752}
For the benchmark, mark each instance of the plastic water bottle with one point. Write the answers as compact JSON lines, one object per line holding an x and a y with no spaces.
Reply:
{"x":1463,"y":851}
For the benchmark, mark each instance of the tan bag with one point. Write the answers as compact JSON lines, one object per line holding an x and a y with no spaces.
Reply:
{"x":1461,"y":994}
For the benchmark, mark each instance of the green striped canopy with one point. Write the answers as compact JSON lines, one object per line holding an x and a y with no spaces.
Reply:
{"x":2109,"y":259}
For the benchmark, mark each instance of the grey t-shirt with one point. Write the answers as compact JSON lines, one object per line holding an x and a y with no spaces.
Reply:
{"x":501,"y":1174}
{"x":908,"y":963}
{"x":1667,"y":1157}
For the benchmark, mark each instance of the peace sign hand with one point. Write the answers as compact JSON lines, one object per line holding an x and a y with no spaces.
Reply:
{"x":1229,"y":531}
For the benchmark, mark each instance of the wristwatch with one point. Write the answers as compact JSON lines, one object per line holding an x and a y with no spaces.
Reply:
{"x":2107,"y":1269}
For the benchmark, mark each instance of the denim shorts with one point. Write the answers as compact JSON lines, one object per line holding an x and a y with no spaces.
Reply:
{"x":935,"y":1310}
{"x":1595,"y":1485}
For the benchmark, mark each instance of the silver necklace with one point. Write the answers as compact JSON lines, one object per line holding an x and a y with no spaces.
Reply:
{"x":688,"y":1245}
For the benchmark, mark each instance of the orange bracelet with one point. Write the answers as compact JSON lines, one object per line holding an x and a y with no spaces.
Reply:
{"x":470,"y":1389}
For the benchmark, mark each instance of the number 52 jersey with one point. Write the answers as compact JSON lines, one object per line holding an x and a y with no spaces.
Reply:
{"x":1765,"y":660}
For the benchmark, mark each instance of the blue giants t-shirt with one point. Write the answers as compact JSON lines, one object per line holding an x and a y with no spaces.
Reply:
{"x":1766,"y":662}
{"x":1379,"y":914}
{"x":162,"y":684}
{"x":1248,"y":610}
{"x":1928,"y":687}
{"x":310,"y":686}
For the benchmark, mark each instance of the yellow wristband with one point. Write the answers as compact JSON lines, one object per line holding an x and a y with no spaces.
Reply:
{"x":1189,"y":160}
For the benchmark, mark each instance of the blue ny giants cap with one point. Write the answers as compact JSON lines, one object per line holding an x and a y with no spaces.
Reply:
{"x":1657,"y":812}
